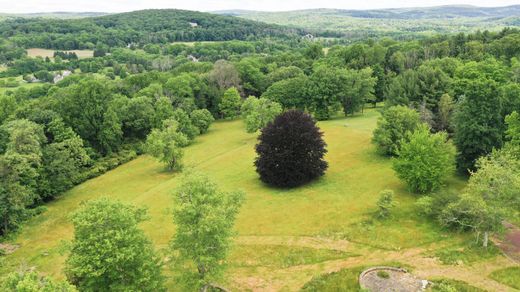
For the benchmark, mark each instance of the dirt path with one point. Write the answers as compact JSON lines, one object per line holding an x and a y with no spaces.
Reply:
{"x":293,"y":278}
{"x":510,"y":244}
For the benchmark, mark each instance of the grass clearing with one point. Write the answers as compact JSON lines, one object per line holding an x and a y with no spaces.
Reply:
{"x":467,"y":254}
{"x":344,"y":280}
{"x":280,"y":256}
{"x":37,"y":52}
{"x":446,"y":285}
{"x":338,"y":206}
{"x":508,"y":276}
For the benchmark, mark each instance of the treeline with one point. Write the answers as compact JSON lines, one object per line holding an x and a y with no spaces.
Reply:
{"x":139,"y":27}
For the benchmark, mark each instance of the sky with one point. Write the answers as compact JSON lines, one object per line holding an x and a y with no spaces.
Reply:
{"x":27,"y":6}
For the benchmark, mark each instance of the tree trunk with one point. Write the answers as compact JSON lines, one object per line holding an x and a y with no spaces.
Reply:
{"x":486,"y":238}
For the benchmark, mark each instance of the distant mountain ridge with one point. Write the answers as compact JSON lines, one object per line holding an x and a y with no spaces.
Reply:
{"x":445,"y":11}
{"x":393,"y":22}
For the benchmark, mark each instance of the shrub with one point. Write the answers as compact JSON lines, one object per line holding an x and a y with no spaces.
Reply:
{"x":290,"y":150}
{"x":31,"y":281}
{"x":383,"y":274}
{"x":392,"y":128}
{"x":385,"y":204}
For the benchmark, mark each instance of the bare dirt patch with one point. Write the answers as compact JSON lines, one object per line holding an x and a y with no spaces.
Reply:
{"x":8,"y":248}
{"x":510,"y":244}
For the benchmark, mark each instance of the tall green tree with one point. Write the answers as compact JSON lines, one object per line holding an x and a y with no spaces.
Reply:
{"x":478,"y":122}
{"x":359,"y":89}
{"x":166,"y":144}
{"x":290,"y":93}
{"x":393,"y":127}
{"x":201,"y":119}
{"x":109,"y":252}
{"x":230,"y":104}
{"x":258,"y":112}
{"x":204,"y":217}
{"x":85,"y":107}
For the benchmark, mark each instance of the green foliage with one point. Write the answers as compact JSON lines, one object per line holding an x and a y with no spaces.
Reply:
{"x":109,"y":251}
{"x":290,"y":93}
{"x":230,"y":104}
{"x":467,"y":255}
{"x":281,"y":256}
{"x":450,"y":285}
{"x":138,"y":117}
{"x":185,"y":125}
{"x":385,"y":204}
{"x":508,"y":276}
{"x":32,"y":282}
{"x":478,"y":122}
{"x":425,"y":160}
{"x":253,"y":79}
{"x":258,"y":112}
{"x":360,"y":86}
{"x":63,"y":163}
{"x":513,"y":130}
{"x":19,"y":172}
{"x":87,"y":107}
{"x":201,"y":119}
{"x":472,"y":213}
{"x":383,"y":274}
{"x":8,"y":105}
{"x":166,"y":144}
{"x":343,"y":280}
{"x":163,"y":110}
{"x":393,"y":127}
{"x":446,"y":107}
{"x":204,"y":217}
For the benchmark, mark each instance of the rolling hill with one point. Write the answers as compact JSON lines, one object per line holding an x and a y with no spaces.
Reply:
{"x":390,"y":22}
{"x":142,"y":27}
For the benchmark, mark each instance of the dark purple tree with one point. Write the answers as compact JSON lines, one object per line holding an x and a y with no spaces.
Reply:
{"x":290,"y":150}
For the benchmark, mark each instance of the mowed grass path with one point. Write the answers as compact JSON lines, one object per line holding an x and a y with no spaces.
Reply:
{"x":337,"y":206}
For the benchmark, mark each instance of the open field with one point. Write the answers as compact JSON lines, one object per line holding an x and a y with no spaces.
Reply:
{"x":36,"y":52}
{"x":285,"y":238}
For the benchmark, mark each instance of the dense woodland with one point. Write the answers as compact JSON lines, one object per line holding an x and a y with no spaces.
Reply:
{"x":144,"y":93}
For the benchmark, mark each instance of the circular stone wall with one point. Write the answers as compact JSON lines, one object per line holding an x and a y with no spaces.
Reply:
{"x":382,"y":279}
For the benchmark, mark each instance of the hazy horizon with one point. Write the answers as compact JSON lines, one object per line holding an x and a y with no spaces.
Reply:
{"x":115,"y":6}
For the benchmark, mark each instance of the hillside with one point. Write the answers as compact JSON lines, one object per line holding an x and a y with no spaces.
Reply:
{"x":391,"y":22}
{"x":141,"y":27}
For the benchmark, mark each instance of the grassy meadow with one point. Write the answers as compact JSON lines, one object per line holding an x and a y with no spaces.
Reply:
{"x":285,"y":238}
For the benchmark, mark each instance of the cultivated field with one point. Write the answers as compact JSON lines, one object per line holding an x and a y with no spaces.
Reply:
{"x":36,"y":52}
{"x":285,"y":238}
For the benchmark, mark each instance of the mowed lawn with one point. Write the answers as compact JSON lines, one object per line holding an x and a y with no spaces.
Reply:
{"x":338,"y":206}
